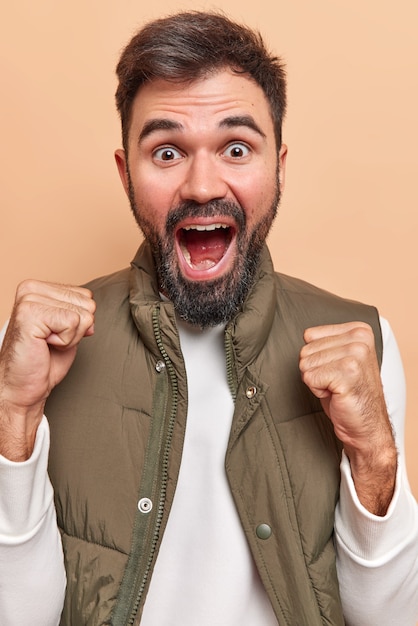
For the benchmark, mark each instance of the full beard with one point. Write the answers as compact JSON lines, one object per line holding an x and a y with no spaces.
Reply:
{"x":212,"y":302}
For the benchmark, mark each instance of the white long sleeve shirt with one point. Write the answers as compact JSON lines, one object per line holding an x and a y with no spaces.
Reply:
{"x":375,"y":555}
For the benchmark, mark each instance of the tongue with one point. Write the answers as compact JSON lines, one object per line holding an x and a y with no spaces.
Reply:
{"x":205,"y":248}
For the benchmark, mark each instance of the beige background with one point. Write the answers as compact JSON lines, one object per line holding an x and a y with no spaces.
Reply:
{"x":348,"y":220}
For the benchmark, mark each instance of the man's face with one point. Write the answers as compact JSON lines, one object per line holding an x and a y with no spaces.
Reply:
{"x":202,"y":176}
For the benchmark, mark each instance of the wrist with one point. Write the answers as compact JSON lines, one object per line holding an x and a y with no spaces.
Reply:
{"x":18,"y":427}
{"x":373,"y":470}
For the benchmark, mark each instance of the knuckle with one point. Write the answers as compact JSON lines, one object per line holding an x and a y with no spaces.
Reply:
{"x":307,"y":333}
{"x":70,"y":295}
{"x":26,"y":287}
{"x":352,"y":366}
{"x":303,"y":353}
{"x":306,"y":377}
{"x":359,"y":349}
{"x":75,"y":316}
{"x":364,"y":332}
{"x":81,"y":297}
{"x":362,"y":341}
{"x":24,"y":311}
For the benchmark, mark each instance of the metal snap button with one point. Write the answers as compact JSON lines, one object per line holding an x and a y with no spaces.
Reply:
{"x":159,"y":366}
{"x":263,"y":531}
{"x":145,"y":505}
{"x":250,"y":392}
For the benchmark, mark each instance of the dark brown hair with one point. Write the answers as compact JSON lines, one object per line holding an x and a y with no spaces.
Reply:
{"x":190,"y":45}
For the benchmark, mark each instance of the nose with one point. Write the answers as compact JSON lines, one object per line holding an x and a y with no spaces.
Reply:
{"x":203,"y":180}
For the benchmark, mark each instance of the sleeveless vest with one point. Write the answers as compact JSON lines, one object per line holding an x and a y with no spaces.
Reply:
{"x":117,"y":426}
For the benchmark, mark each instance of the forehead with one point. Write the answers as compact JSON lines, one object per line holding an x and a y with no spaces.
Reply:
{"x":204,"y":102}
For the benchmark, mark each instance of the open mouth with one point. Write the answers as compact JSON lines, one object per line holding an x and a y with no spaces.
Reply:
{"x":204,"y":248}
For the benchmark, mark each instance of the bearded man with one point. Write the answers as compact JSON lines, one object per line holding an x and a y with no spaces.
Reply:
{"x":221,"y":448}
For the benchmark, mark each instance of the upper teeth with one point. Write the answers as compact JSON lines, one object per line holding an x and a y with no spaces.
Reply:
{"x":205,"y":226}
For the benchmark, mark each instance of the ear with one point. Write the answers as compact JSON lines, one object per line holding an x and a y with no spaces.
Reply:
{"x":122,"y":165}
{"x":282,"y":166}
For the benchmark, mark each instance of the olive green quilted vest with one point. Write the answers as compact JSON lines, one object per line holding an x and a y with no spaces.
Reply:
{"x":117,"y":427}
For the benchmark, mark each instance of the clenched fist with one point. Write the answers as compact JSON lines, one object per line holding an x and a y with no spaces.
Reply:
{"x":47,"y":323}
{"x":339,"y":365}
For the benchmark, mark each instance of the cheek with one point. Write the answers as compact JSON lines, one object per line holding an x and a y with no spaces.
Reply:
{"x":152,"y":201}
{"x":149,"y":213}
{"x":258,"y":197}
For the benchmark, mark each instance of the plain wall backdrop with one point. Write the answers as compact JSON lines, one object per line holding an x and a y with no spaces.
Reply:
{"x":348,"y":218}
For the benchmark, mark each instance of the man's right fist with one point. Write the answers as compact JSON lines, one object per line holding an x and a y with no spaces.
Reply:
{"x":47,"y":323}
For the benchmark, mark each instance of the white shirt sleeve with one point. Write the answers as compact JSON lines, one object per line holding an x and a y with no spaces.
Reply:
{"x":377,"y":557}
{"x":32,"y":573}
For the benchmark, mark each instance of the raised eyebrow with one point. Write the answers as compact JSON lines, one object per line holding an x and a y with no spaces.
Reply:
{"x":153,"y":126}
{"x":235,"y":121}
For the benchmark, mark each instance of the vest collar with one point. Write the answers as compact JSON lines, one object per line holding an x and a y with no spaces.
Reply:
{"x":249,"y":329}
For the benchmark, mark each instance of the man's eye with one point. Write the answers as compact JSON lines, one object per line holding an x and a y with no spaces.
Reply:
{"x":237,"y":150}
{"x":166,"y":154}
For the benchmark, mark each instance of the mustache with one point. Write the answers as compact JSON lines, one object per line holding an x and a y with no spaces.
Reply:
{"x":213,"y":208}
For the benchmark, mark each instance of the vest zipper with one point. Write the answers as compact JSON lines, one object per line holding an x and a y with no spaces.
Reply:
{"x":230,"y":365}
{"x":166,"y":451}
{"x":126,"y":616}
